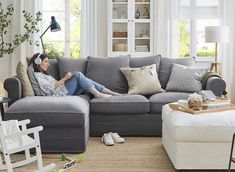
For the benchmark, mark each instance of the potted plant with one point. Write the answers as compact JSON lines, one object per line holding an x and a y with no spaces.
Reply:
{"x":30,"y":27}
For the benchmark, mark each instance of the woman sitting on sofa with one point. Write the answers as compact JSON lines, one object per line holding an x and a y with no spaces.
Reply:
{"x":71,"y":84}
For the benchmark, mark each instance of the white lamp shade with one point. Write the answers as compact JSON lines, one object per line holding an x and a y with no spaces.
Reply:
{"x":216,"y":34}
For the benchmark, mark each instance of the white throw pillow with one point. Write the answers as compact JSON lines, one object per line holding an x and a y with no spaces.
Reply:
{"x":185,"y":79}
{"x":143,"y":80}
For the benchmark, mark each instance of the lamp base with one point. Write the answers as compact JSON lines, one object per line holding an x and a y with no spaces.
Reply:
{"x":216,"y":67}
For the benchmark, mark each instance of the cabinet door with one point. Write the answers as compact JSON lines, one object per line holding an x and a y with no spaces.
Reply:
{"x":119,"y":27}
{"x":142,"y":21}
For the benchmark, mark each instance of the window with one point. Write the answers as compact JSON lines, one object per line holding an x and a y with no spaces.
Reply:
{"x":194,"y":16}
{"x":65,"y":42}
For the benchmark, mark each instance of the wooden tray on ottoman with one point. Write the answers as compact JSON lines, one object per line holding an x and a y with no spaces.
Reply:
{"x":177,"y":106}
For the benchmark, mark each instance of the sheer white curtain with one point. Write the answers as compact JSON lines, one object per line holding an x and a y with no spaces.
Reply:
{"x":89,"y":28}
{"x":227,"y":15}
{"x":166,"y":28}
{"x":24,"y":50}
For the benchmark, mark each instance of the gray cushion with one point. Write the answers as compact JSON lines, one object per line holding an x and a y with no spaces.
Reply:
{"x":166,"y":65}
{"x":50,"y":111}
{"x":71,"y":65}
{"x":129,"y":104}
{"x":160,"y":99}
{"x":145,"y":61}
{"x":53,"y":69}
{"x":37,"y":90}
{"x":106,"y":71}
{"x":185,"y":79}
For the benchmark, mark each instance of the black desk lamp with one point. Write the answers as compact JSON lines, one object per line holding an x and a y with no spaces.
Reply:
{"x":54,"y":28}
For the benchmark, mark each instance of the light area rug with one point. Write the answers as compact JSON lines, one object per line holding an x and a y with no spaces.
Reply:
{"x":137,"y":154}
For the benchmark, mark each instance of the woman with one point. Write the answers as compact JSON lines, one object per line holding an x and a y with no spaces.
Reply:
{"x":71,"y":84}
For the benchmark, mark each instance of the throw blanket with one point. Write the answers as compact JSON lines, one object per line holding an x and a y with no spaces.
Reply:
{"x":206,"y":76}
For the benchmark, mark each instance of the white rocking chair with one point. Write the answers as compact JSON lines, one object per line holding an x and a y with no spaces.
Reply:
{"x":13,"y":140}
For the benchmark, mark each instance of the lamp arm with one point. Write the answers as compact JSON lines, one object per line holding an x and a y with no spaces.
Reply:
{"x":42,"y":36}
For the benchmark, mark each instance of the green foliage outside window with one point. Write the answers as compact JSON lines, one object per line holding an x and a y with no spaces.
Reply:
{"x":53,"y":50}
{"x":184,"y":39}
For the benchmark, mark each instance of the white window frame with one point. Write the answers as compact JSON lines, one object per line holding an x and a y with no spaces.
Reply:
{"x":67,"y":41}
{"x":193,"y":12}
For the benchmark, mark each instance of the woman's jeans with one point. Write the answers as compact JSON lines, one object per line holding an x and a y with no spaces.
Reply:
{"x":79,"y":84}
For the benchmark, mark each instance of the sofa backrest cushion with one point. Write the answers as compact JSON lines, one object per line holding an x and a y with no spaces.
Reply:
{"x":53,"y":69}
{"x":33,"y":81}
{"x":21,"y":71}
{"x":145,"y":61}
{"x":71,"y":65}
{"x":166,"y":65}
{"x":185,"y":79}
{"x":106,"y":71}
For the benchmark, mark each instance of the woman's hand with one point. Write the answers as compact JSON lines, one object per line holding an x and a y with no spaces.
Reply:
{"x":68,"y":76}
{"x":63,"y":80}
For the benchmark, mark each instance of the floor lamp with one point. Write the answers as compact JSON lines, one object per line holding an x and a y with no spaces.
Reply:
{"x":54,"y":28}
{"x":216,"y":34}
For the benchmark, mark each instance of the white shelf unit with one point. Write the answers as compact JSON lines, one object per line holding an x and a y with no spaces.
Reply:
{"x":130,"y":27}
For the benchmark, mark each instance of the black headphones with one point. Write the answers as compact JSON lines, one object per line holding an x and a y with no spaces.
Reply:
{"x":38,"y":60}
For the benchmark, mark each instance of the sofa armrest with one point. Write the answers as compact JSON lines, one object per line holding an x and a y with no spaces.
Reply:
{"x":13,"y":86}
{"x":216,"y":84}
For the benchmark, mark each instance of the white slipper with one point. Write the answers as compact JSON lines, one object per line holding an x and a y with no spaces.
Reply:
{"x":107,"y":139}
{"x":117,"y":138}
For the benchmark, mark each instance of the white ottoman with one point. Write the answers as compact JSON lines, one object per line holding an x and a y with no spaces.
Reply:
{"x":198,"y":141}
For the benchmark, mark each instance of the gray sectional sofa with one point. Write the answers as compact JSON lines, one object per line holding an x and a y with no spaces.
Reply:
{"x":69,"y":121}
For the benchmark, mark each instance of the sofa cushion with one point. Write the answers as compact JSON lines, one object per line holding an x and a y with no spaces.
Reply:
{"x":128,"y":104}
{"x":53,"y":69}
{"x":185,"y":79}
{"x":37,"y":90}
{"x":50,"y":111}
{"x":21,"y":71}
{"x":160,"y":99}
{"x":71,"y":65}
{"x":145,"y":61}
{"x":166,"y":65}
{"x":106,"y":71}
{"x":142,"y":80}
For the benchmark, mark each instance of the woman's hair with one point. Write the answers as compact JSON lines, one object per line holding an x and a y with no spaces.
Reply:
{"x":32,"y":61}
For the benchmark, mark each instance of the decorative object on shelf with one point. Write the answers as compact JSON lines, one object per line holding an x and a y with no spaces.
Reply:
{"x":145,"y":14}
{"x":30,"y":26}
{"x":120,"y":47}
{"x":54,"y":28}
{"x":141,"y":48}
{"x":123,"y":15}
{"x":216,"y":34}
{"x":195,"y":101}
{"x":144,"y":34}
{"x":137,"y":14}
{"x":115,"y":13}
{"x":120,"y":34}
